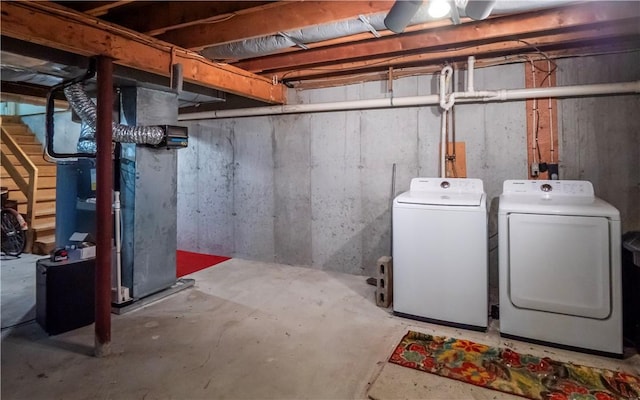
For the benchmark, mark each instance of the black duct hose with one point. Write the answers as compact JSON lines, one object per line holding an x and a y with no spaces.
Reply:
{"x":91,"y":72}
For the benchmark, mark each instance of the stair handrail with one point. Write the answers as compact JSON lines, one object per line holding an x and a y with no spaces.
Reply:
{"x":29,"y":189}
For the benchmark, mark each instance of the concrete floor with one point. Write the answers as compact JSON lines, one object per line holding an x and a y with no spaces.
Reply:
{"x":247,"y":330}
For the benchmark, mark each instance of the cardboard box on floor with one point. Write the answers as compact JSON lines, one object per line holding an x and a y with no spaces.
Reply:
{"x":85,"y":246}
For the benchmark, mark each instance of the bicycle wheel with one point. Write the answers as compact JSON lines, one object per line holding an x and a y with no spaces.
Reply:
{"x":14,"y":239}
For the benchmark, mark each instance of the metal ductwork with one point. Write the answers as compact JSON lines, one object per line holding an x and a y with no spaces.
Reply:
{"x":400,"y":14}
{"x":86,"y":110}
{"x":479,"y":9}
{"x":269,"y":44}
{"x":87,"y":140}
{"x":476,"y":9}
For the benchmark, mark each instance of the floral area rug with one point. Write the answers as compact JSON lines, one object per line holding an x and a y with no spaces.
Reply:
{"x":511,"y":372}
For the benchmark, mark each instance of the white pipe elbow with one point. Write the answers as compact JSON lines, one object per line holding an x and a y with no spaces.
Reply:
{"x":445,"y":78}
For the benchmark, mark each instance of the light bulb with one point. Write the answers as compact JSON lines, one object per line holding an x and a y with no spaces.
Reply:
{"x":438,"y":8}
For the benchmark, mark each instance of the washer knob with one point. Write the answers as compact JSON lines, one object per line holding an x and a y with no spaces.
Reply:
{"x":546,"y":187}
{"x":445,"y":184}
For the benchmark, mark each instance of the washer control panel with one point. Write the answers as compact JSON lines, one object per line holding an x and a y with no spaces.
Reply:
{"x":548,"y":188}
{"x":447,"y":185}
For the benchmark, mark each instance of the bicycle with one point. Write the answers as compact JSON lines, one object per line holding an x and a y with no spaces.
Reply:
{"x":14,"y":228}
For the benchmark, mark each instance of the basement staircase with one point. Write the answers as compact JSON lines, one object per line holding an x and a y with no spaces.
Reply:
{"x":31,"y":181}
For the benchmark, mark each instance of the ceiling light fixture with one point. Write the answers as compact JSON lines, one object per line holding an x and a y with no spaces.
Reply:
{"x":439,"y":8}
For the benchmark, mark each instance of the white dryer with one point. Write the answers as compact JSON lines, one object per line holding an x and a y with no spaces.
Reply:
{"x":440,"y":252}
{"x":559,"y":263}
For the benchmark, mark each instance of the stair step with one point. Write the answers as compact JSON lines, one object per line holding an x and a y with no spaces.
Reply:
{"x":9,"y":119}
{"x":43,"y":183}
{"x":43,"y":170}
{"x":16,"y":128}
{"x":29,"y":139}
{"x":43,"y":208}
{"x":44,"y":224}
{"x":37,"y":160}
{"x":44,"y":232}
{"x":32,"y":148}
{"x":41,"y":195}
{"x":44,"y":244}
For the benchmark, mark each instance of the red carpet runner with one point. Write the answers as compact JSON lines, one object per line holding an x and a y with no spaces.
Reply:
{"x":188,"y":262}
{"x":507,"y":371}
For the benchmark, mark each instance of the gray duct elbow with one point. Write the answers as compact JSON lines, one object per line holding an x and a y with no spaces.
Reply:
{"x":86,"y":110}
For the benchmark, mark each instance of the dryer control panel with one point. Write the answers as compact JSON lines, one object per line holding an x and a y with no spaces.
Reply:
{"x":548,"y":188}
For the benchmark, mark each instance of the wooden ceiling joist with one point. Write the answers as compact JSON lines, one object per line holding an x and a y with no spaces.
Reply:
{"x":474,"y":33}
{"x":64,"y":29}
{"x":285,"y":16}
{"x":101,"y":9}
{"x":576,"y":38}
{"x":154,"y":19}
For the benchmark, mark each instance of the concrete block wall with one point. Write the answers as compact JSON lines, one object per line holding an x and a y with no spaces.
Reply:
{"x":315,"y":189}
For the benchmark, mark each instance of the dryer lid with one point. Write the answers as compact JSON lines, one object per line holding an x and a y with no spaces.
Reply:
{"x":442,"y":199}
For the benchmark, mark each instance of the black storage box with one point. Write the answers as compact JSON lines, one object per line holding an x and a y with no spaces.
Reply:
{"x":65,"y":294}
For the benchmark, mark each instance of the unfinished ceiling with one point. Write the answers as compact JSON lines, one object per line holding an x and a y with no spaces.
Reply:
{"x":250,"y":49}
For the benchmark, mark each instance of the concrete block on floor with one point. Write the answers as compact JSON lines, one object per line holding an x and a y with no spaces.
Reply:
{"x":384,"y":282}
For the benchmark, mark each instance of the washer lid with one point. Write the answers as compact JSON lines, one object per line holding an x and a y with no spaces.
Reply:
{"x":441,"y":199}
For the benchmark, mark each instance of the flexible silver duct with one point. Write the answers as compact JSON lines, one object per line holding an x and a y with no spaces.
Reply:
{"x":86,"y":110}
{"x":269,"y":44}
{"x":87,"y":141}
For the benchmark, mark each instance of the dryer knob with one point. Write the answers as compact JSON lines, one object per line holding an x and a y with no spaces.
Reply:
{"x":445,"y":184}
{"x":546,"y":187}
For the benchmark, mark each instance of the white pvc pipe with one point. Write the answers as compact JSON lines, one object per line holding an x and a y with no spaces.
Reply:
{"x":445,"y":81}
{"x":568,"y":91}
{"x":443,"y":144}
{"x":116,"y":211}
{"x":434,"y":99}
{"x":470,"y":64}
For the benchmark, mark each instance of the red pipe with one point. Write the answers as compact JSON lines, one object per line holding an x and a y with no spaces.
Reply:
{"x":104,"y":199}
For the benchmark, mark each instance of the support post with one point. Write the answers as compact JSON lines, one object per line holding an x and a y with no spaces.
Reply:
{"x":104,"y":219}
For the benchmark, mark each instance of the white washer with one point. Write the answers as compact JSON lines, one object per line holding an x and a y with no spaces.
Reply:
{"x":440,"y":252}
{"x":559,"y":262}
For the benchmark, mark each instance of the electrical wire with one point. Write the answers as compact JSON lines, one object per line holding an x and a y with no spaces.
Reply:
{"x":18,"y":324}
{"x":534,"y":119}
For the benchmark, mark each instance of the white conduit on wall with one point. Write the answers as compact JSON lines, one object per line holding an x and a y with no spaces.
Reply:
{"x":434,"y":99}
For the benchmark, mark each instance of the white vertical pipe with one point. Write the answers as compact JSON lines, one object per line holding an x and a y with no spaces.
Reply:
{"x":443,"y":144}
{"x":471,"y":62}
{"x":116,"y":210}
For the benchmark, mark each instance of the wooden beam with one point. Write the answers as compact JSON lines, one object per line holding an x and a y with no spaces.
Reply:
{"x":513,"y":26}
{"x":154,"y":19}
{"x":101,"y":9}
{"x":506,"y":47}
{"x":285,"y":16}
{"x":318,"y":82}
{"x":542,"y":119}
{"x":61,"y":28}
